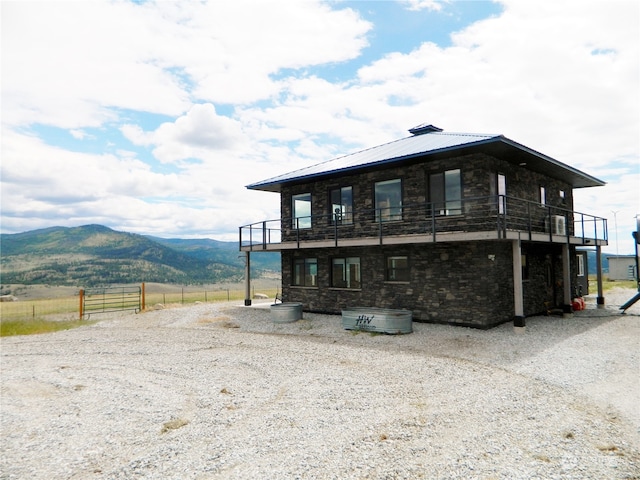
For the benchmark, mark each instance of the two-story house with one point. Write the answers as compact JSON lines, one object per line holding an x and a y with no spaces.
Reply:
{"x":459,"y":228}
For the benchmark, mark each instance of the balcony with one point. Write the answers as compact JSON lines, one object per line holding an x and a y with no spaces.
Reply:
{"x":472,"y":219}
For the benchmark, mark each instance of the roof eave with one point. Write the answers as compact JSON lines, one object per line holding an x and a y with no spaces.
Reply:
{"x":275,"y":185}
{"x":550,"y":166}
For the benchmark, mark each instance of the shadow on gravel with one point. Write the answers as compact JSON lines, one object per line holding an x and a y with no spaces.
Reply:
{"x":501,"y":345}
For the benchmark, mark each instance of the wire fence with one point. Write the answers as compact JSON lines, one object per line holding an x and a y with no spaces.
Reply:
{"x":68,"y":307}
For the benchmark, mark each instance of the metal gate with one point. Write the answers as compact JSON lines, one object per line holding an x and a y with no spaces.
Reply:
{"x":111,"y":299}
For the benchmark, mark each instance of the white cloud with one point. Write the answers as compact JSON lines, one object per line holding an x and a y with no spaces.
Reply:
{"x":192,"y":135}
{"x":423,"y":4}
{"x":70,"y":63}
{"x":558,"y":77}
{"x":562,"y":81}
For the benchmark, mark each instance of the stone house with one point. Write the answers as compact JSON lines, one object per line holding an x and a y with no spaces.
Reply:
{"x":465,"y":229}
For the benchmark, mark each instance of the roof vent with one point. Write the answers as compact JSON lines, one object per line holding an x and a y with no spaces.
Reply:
{"x":424,"y":128}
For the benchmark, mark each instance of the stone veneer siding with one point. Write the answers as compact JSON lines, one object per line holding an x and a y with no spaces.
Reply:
{"x":455,"y":283}
{"x":478,"y":180}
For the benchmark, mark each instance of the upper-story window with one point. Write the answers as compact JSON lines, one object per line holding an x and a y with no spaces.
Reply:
{"x":342,"y":205}
{"x":301,"y":209}
{"x":445,"y":192}
{"x":388,"y":200}
{"x":542,"y":195}
{"x":502,"y":192}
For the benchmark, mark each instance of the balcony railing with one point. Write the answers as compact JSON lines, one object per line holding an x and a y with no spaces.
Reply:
{"x":497,"y":214}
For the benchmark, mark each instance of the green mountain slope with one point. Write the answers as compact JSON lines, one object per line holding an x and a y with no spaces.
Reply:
{"x":96,"y":255}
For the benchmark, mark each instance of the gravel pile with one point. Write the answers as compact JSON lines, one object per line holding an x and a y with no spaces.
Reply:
{"x":218,"y":391}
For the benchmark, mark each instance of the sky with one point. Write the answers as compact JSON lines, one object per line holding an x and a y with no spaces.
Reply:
{"x":151,"y":117}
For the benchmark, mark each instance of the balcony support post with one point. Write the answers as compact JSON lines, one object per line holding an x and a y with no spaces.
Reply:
{"x":264,"y":235}
{"x":247,"y":279}
{"x":566,"y":280}
{"x":518,"y":292}
{"x":600,"y":298}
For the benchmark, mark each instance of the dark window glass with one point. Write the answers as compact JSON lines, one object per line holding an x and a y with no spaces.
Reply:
{"x":345,"y":272}
{"x":502,"y":192}
{"x":342,"y":205}
{"x":397,"y":269}
{"x":543,"y":195}
{"x":445,"y":192}
{"x":388,"y":200}
{"x":305,"y":272}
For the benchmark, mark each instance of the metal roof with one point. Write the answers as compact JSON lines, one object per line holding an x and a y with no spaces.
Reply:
{"x":429,"y":141}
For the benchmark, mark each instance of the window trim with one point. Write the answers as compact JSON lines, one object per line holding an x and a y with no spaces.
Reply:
{"x":387,"y":269}
{"x":501,"y":189}
{"x":346,"y":217}
{"x":301,"y":222}
{"x":305,"y":262}
{"x":345,"y":274}
{"x":395,"y":211}
{"x":542,"y":195}
{"x":446,"y":210}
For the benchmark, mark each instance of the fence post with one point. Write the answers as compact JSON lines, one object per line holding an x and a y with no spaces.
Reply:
{"x":81,"y":303}
{"x":143,"y":298}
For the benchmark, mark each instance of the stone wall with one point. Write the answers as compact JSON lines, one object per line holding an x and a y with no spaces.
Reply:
{"x":456,"y":283}
{"x":478,"y":173}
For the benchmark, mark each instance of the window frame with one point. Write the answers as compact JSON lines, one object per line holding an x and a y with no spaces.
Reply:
{"x":346,"y":209}
{"x":394,"y":210}
{"x":580,"y":261}
{"x":307,"y":263}
{"x":390,"y":273}
{"x":437,"y":186}
{"x":346,"y":282}
{"x":296,"y":222}
{"x":542,"y":195}
{"x":501,"y":189}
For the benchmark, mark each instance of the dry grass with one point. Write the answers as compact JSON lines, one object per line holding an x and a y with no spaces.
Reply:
{"x":174,"y":424}
{"x":37,"y":325}
{"x":37,"y":305}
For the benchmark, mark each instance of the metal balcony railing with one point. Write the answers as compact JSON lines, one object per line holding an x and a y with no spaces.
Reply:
{"x":499,"y":214}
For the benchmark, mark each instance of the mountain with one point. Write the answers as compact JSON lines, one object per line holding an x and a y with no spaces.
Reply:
{"x":97,"y":255}
{"x":592,"y":265}
{"x":216,"y":251}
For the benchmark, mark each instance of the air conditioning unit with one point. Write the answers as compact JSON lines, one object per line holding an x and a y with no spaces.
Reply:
{"x":558,"y":225}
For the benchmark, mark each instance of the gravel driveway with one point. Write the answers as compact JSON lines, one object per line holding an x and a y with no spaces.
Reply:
{"x":218,"y":391}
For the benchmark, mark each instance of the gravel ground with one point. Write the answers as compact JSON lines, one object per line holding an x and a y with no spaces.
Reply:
{"x":218,"y":391}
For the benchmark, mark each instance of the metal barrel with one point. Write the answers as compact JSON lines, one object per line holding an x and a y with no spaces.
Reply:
{"x":286,"y":312}
{"x":383,"y":320}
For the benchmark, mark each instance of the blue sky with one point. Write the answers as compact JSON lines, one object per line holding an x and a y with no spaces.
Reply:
{"x":151,"y":117}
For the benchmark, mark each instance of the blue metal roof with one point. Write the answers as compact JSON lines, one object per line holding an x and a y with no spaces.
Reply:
{"x":429,"y":140}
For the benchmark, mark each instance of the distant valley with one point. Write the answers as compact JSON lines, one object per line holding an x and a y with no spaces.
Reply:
{"x":94,"y":255}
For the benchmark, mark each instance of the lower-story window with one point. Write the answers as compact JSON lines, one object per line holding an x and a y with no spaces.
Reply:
{"x":345,"y":272}
{"x":305,"y":272}
{"x":397,"y":268}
